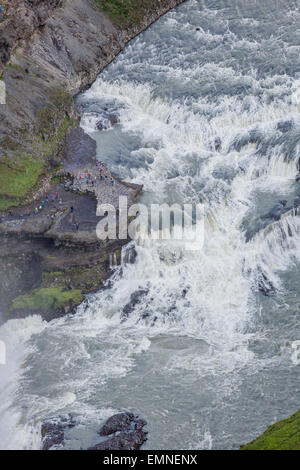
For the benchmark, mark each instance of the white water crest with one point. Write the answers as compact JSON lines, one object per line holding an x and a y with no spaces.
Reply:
{"x":14,"y":432}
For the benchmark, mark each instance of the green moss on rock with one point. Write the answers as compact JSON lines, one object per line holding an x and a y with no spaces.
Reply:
{"x":17,"y":179}
{"x":86,"y":279}
{"x":61,"y":99}
{"x":47,"y":120}
{"x":19,"y":175}
{"x":124,"y":12}
{"x":47,"y":299}
{"x":284,"y":435}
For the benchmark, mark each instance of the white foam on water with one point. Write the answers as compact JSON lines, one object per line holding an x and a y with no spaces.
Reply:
{"x":276,"y":247}
{"x":14,"y":433}
{"x":221,"y":309}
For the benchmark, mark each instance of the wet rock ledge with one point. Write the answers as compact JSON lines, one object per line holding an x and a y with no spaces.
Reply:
{"x":50,"y":50}
{"x":123,"y":431}
{"x":50,"y":255}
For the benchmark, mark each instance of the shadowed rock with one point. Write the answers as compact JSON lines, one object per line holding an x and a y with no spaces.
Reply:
{"x":119,"y":422}
{"x":127,"y":430}
{"x":274,"y":215}
{"x":53,"y":431}
{"x":131,"y":441}
{"x":265,"y":286}
{"x":107,"y":121}
{"x":134,"y":300}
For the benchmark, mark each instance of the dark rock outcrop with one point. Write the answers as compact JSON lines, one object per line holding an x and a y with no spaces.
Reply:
{"x":107,"y":121}
{"x":126,"y":430}
{"x":135,"y":299}
{"x":131,"y":441}
{"x":265,"y":286}
{"x":22,"y":19}
{"x":119,"y":422}
{"x":53,"y":431}
{"x":281,"y":209}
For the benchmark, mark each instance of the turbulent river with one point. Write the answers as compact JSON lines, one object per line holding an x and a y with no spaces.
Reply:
{"x":208,"y":100}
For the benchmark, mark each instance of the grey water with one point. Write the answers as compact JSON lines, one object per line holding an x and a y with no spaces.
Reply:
{"x":208,"y":102}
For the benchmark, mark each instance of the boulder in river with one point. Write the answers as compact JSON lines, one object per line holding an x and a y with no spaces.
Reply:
{"x":123,"y":441}
{"x":134,"y":300}
{"x":126,"y":431}
{"x":53,"y":431}
{"x":107,"y":121}
{"x":118,"y":422}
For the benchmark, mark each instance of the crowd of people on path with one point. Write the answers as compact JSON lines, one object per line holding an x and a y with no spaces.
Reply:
{"x":43,"y":203}
{"x":90,"y":179}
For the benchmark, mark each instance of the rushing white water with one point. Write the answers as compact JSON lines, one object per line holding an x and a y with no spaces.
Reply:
{"x":14,"y":433}
{"x":208,"y":112}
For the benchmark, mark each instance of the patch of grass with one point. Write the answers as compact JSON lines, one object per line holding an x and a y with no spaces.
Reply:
{"x":124,"y":12}
{"x":284,"y":435}
{"x":47,"y":299}
{"x":7,"y":202}
{"x":17,"y":180}
{"x":61,"y":99}
{"x":19,"y":176}
{"x":50,"y":116}
{"x":46,"y":120}
{"x":57,"y":179}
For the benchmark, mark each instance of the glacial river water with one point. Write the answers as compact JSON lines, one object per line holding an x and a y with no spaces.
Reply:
{"x":208,"y":100}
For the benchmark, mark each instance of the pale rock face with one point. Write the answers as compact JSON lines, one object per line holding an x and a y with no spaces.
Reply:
{"x":2,"y":93}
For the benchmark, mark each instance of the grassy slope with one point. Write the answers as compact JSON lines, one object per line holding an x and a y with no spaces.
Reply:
{"x":17,"y":181}
{"x":127,"y":13}
{"x":124,"y":12}
{"x":284,"y":435}
{"x":19,"y":175}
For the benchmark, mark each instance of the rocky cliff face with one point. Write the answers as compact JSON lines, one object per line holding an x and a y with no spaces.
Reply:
{"x":22,"y":19}
{"x":49,"y":51}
